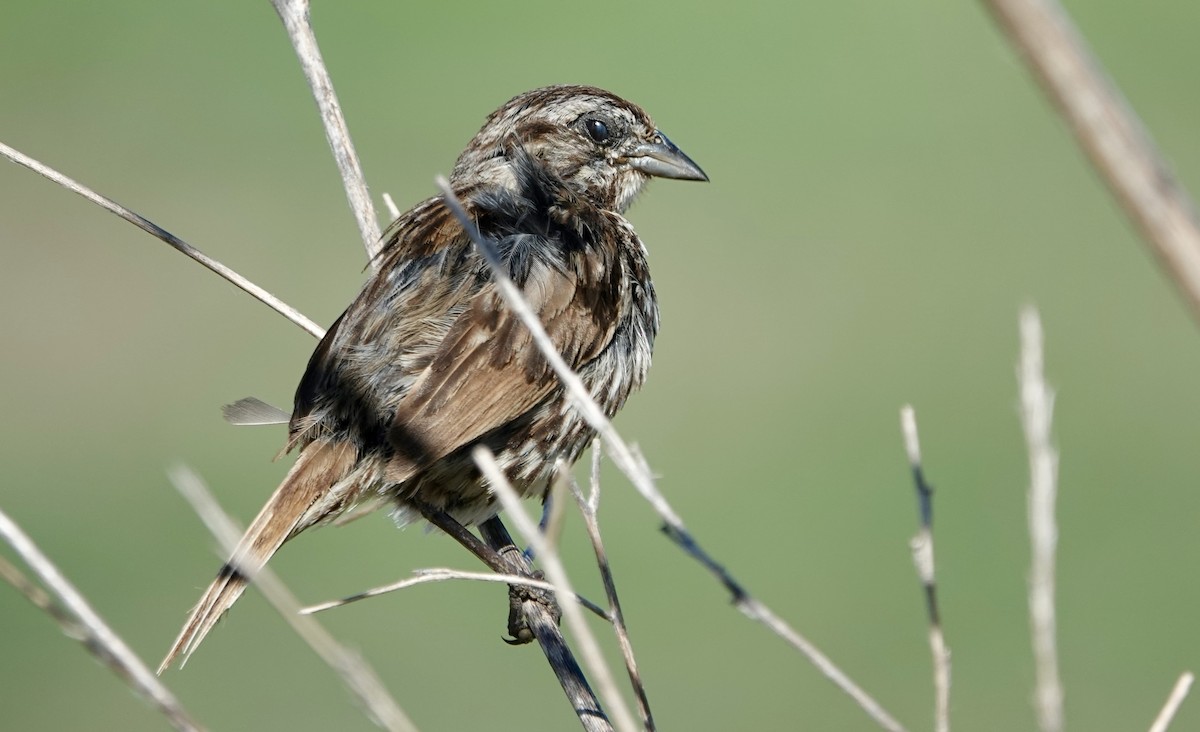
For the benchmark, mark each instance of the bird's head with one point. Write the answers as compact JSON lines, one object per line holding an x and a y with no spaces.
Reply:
{"x":599,"y":144}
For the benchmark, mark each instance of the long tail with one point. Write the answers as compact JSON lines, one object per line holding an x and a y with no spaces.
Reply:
{"x":301,"y":500}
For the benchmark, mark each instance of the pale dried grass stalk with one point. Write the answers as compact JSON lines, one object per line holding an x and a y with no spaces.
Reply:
{"x":298,"y":23}
{"x":1110,"y":133}
{"x":440,"y":574}
{"x":1178,"y":693}
{"x":353,"y":670}
{"x":589,"y":507}
{"x":148,"y":226}
{"x":923,"y":559}
{"x":390,"y":205}
{"x":78,"y":620}
{"x":1037,"y":406}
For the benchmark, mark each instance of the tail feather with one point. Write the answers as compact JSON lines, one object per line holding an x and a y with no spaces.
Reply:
{"x":301,"y":500}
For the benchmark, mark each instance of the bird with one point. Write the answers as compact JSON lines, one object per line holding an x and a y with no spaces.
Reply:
{"x":428,"y":362}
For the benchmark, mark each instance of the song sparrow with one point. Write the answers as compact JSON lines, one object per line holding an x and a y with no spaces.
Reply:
{"x":428,"y":361}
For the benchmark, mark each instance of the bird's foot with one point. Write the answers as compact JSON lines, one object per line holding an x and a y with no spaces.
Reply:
{"x":519,"y":629}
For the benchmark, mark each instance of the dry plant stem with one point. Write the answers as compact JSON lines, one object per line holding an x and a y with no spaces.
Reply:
{"x":1110,"y":133}
{"x":1037,"y":405}
{"x":440,"y":574}
{"x":393,"y":210}
{"x":353,"y":670}
{"x":80,"y":621}
{"x":923,"y":558}
{"x":297,"y":22}
{"x":154,"y":229}
{"x":1178,"y":694}
{"x":545,"y":629}
{"x":589,"y":506}
{"x":40,"y":599}
{"x":557,"y":574}
{"x":642,"y":479}
{"x":759,"y":612}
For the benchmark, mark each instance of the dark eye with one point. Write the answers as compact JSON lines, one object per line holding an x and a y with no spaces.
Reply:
{"x":596,"y":130}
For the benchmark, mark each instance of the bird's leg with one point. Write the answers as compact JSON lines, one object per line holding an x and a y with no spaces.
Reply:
{"x":498,"y":539}
{"x":447,"y":523}
{"x":502,"y":556}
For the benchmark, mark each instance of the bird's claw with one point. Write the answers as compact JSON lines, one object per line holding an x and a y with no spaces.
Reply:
{"x":519,"y":629}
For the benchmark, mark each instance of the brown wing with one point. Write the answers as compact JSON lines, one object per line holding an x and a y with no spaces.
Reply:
{"x":430,"y":346}
{"x":374,"y":351}
{"x":488,"y":371}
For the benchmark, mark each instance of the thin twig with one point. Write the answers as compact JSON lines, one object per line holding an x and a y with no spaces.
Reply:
{"x":922,"y":552}
{"x":589,"y":506}
{"x":757,"y":611}
{"x":1176,"y":697}
{"x":80,"y":621}
{"x":1110,"y":133}
{"x":439,"y":574}
{"x":39,"y":598}
{"x":642,"y":479}
{"x":552,"y":562}
{"x":258,"y":293}
{"x":1037,"y":406}
{"x":297,"y":22}
{"x":390,"y":205}
{"x":354,"y":671}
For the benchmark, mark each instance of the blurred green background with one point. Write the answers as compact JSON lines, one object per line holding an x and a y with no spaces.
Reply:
{"x":888,"y":188}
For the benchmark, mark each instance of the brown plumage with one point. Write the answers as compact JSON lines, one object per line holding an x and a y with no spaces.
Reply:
{"x":428,"y":362}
